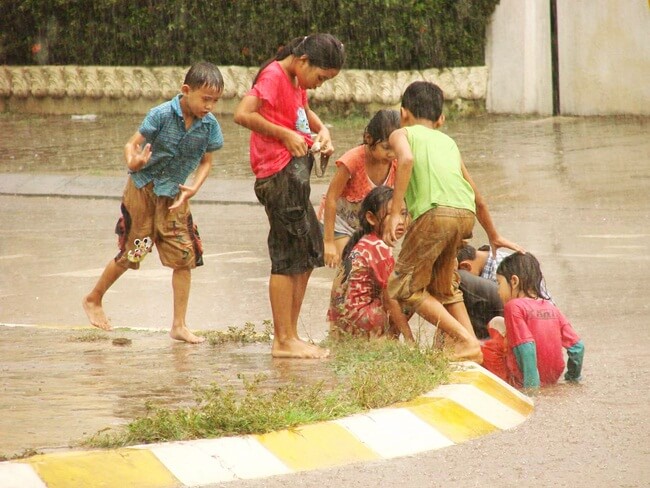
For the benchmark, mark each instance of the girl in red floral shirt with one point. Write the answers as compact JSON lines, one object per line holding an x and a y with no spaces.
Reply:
{"x":359,"y":302}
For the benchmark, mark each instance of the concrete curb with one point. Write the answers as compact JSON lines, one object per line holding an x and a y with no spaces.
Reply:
{"x":476,"y":403}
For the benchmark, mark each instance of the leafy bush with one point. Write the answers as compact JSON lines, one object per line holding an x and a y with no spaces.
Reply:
{"x":378,"y":34}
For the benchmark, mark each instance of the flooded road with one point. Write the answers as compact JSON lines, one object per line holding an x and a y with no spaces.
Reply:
{"x":573,"y":191}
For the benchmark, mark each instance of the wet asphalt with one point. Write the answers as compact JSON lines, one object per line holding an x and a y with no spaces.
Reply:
{"x":572,"y":191}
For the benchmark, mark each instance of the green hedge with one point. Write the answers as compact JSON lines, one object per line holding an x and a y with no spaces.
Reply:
{"x":387,"y":35}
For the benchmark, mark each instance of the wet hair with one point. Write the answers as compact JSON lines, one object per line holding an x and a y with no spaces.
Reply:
{"x":424,"y":100}
{"x":322,"y":50}
{"x":376,"y":202}
{"x":527,"y":269}
{"x":466,"y":253}
{"x":204,"y":74}
{"x":382,"y":124}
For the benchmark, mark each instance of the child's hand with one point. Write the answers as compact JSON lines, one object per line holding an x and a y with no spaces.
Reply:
{"x":139,"y":157}
{"x":390,"y":228}
{"x":186,"y":193}
{"x":498,"y":241}
{"x":295,"y":144}
{"x":331,"y":255}
{"x":325,"y":141}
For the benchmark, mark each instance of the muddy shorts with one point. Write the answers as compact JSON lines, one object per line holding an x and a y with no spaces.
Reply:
{"x":427,"y":261}
{"x":146,"y":221}
{"x":295,"y":240}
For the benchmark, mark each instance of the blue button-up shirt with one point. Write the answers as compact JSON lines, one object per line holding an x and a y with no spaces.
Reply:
{"x":175,"y":152}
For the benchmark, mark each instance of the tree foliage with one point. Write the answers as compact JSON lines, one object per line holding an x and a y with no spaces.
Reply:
{"x":378,"y":34}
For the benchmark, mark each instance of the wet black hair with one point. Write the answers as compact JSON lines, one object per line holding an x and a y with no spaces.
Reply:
{"x":466,"y":253}
{"x":424,"y":100}
{"x":322,"y":50}
{"x":382,"y":124}
{"x":376,"y":202}
{"x":204,"y":74}
{"x":526,"y":267}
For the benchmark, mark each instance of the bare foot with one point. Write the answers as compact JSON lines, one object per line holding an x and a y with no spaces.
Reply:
{"x":468,"y":352}
{"x":297,"y":349}
{"x":96,"y":314}
{"x":184,"y":334}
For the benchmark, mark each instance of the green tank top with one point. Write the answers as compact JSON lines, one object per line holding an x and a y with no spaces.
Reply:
{"x":437,"y":177}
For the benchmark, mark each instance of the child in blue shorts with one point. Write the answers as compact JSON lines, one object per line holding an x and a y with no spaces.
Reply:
{"x":175,"y":139}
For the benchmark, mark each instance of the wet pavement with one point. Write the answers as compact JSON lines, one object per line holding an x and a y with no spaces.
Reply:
{"x":573,"y":191}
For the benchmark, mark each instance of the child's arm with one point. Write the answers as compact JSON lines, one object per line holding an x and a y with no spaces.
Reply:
{"x":334,"y":191}
{"x":400,"y":144}
{"x":576,"y":354}
{"x":526,"y":355}
{"x":397,"y":317}
{"x":136,"y":156}
{"x":200,"y":176}
{"x":485,"y":218}
{"x":247,"y":114}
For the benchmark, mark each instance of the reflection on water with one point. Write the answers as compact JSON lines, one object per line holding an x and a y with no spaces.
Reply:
{"x":85,"y":387}
{"x":61,"y":144}
{"x":492,"y":146}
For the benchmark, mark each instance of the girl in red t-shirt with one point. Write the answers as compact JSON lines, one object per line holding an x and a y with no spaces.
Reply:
{"x":277,"y":112}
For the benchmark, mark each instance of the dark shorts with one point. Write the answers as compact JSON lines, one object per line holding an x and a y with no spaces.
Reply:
{"x":295,"y":240}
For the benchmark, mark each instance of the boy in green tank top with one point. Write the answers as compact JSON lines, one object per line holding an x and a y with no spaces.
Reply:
{"x":443,"y":202}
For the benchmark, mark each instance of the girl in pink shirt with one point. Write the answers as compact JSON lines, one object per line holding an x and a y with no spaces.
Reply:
{"x":526,"y":345}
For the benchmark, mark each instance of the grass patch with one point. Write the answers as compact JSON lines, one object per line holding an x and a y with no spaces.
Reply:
{"x":242,"y":335}
{"x":371,"y":374}
{"x":93,"y":335}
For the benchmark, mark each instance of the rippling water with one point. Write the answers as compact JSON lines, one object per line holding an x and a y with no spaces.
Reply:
{"x":64,"y":144}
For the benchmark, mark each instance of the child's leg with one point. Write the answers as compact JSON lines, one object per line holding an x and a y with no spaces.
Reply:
{"x":92,"y":303}
{"x":458,"y":310}
{"x":467,"y":346}
{"x":286,"y":293}
{"x":181,"y":281}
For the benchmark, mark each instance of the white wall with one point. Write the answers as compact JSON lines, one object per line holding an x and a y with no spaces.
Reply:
{"x":518,"y":57}
{"x":604,"y":57}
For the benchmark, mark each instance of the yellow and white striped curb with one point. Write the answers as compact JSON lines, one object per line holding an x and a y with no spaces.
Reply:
{"x":474,"y":404}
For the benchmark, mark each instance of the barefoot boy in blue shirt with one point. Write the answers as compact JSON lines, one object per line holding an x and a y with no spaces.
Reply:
{"x":175,"y":139}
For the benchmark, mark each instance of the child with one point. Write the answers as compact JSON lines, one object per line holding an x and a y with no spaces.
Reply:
{"x":277,"y":112}
{"x":528,"y":351}
{"x":358,"y":171}
{"x":478,"y":282}
{"x":443,"y":202}
{"x":360,"y":303}
{"x":480,"y":262}
{"x":174,"y":139}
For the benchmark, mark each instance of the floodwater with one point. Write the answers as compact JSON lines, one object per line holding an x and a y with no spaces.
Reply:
{"x":574,"y":191}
